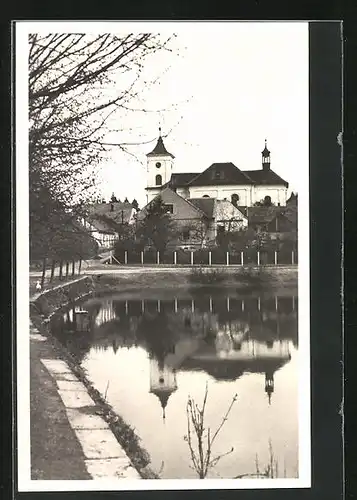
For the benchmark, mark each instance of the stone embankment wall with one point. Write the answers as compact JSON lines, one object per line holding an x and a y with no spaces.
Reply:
{"x":42,"y":307}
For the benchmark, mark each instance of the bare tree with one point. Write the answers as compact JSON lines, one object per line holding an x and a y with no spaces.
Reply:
{"x":197,"y":231}
{"x":77,"y":84}
{"x":202,"y":453}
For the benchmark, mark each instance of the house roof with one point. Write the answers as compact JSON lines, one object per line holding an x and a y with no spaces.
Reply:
{"x":206,"y":205}
{"x":167,"y":189}
{"x":268,"y":177}
{"x":160,"y":150}
{"x":98,"y":212}
{"x":221,"y":174}
{"x":264,"y":215}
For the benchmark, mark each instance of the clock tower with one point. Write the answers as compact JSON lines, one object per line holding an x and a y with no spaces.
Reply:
{"x":159,"y":168}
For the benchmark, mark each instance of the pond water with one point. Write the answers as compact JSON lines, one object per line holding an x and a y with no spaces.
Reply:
{"x":150,"y":351}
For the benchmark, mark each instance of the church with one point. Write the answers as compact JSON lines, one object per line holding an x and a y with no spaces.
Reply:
{"x":220,"y":181}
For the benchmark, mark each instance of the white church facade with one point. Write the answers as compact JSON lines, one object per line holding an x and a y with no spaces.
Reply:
{"x":221,"y":181}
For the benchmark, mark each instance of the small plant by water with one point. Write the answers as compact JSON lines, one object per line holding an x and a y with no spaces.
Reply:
{"x":253,"y":278}
{"x":202,"y":276}
{"x":200,"y":439}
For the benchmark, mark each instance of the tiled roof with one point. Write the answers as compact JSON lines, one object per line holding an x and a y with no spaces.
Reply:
{"x":160,"y":150}
{"x":263,"y":215}
{"x":221,"y":174}
{"x":206,"y":205}
{"x":122,"y":213}
{"x":267,"y":177}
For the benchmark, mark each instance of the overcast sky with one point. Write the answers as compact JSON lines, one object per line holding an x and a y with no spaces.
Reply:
{"x":232,"y":84}
{"x":238,"y":83}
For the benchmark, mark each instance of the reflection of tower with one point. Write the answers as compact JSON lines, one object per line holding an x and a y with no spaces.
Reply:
{"x":162,"y":382}
{"x":269,"y":384}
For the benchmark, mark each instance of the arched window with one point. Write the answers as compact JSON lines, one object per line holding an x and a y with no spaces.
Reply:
{"x":205,"y":196}
{"x":234,"y":199}
{"x":267,"y":201}
{"x":158,"y":180}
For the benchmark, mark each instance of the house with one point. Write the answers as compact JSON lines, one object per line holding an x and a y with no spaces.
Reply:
{"x":221,"y":181}
{"x":277,"y":222}
{"x":106,"y":220}
{"x":198,"y":219}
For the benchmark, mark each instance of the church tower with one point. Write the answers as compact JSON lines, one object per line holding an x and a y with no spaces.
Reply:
{"x":162,"y":382}
{"x":159,"y":168}
{"x":266,"y":157}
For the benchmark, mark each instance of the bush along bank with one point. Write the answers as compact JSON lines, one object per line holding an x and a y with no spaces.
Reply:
{"x":245,"y":277}
{"x":41,"y":311}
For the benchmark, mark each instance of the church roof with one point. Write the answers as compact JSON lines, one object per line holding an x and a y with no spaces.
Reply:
{"x":267,"y":177}
{"x":160,"y":150}
{"x":229,"y":369}
{"x":221,"y":174}
{"x":181,"y":179}
{"x":206,"y":205}
{"x":265,"y":151}
{"x":163,"y":395}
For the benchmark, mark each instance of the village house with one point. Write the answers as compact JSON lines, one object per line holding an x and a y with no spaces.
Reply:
{"x":221,"y":181}
{"x":278,"y":222}
{"x":198,"y":220}
{"x":106,"y":220}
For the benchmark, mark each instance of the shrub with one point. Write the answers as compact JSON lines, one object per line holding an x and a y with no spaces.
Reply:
{"x":253,"y":278}
{"x":206,"y":277}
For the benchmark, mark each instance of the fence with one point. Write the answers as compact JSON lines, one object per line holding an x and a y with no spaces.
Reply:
{"x":206,"y":257}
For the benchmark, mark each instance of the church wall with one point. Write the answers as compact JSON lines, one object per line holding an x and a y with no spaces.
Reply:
{"x":278,"y":194}
{"x":221,"y":192}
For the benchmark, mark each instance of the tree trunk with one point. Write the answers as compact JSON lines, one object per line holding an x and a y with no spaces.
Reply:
{"x":60,"y":270}
{"x":53,"y":266}
{"x":80,"y":266}
{"x":67,"y":268}
{"x":73,"y":267}
{"x":43,"y":272}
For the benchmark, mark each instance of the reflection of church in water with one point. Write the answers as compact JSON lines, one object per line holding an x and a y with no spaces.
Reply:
{"x":223,"y":341}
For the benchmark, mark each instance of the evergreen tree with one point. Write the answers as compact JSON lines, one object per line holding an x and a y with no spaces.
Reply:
{"x":157,"y":228}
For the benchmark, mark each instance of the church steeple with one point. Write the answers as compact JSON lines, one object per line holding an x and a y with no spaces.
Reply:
{"x":269,"y":384}
{"x":159,"y":168}
{"x":162,"y":382}
{"x":160,"y":149}
{"x":266,"y":157}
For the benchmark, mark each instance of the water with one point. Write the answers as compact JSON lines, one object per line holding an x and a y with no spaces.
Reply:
{"x":149,"y":353}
